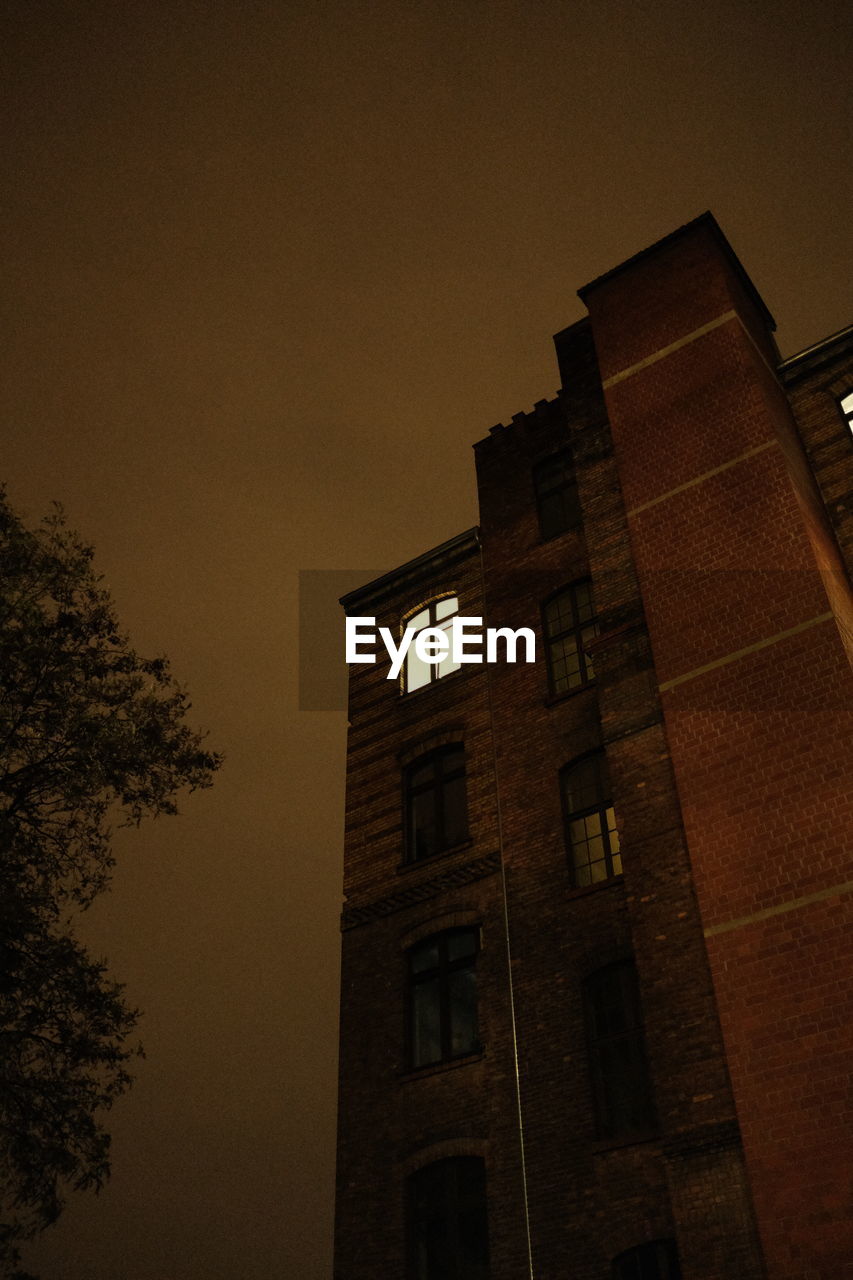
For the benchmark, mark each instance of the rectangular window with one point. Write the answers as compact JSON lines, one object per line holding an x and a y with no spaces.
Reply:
{"x":557,"y":501}
{"x":448,"y":1222}
{"x":591,"y":834}
{"x":436,"y":802}
{"x":569,"y":622}
{"x":443,"y":997}
{"x":620,"y":1079}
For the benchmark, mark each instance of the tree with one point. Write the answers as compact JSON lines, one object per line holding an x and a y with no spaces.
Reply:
{"x":91,"y":735}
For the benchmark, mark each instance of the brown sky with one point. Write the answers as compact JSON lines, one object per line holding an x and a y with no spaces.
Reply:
{"x":270,"y":269}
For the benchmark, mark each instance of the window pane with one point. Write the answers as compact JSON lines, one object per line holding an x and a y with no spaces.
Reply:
{"x":424,"y":956}
{"x":565,"y":664}
{"x":423,"y":825}
{"x":448,"y":1223}
{"x":581,"y":865}
{"x":426,"y":1023}
{"x":595,"y":849}
{"x":455,"y":812}
{"x":590,"y":819}
{"x":569,"y":622}
{"x":452,"y":759}
{"x":435,"y":798}
{"x":610,"y":1011}
{"x":592,"y":825}
{"x":443,"y":996}
{"x":447,"y":664}
{"x":417,"y":672}
{"x":588,"y":634}
{"x":471,"y":1222}
{"x":422,"y":773}
{"x":462,"y":987}
{"x":461,"y":943}
{"x":571,"y":507}
{"x":558,"y":613}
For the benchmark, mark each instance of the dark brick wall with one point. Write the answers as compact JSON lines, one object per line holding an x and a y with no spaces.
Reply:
{"x":393,"y":1120}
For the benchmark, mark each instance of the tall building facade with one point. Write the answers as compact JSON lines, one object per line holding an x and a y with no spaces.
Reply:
{"x":597,"y":934}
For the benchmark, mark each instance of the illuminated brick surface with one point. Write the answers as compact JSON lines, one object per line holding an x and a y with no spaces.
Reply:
{"x":717,"y":532}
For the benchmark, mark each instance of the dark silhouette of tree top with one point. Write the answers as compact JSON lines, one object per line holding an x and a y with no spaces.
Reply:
{"x":90,"y":734}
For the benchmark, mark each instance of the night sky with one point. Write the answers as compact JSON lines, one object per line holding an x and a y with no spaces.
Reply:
{"x":270,"y":269}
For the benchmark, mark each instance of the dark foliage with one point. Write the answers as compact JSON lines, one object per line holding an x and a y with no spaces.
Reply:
{"x":90,"y":735}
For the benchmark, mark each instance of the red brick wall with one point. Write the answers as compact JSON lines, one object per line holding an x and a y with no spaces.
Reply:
{"x":760,"y":743}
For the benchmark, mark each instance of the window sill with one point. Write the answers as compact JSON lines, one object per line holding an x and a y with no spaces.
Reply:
{"x":447,"y":1064}
{"x":575,"y":891}
{"x":433,"y":858}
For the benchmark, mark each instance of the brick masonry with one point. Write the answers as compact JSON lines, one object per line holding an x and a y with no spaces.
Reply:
{"x":717,"y":533}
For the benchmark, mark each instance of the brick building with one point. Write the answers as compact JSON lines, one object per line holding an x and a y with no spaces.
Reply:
{"x":597,"y":934}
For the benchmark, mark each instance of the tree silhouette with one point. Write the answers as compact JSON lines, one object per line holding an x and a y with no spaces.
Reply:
{"x":91,"y":735}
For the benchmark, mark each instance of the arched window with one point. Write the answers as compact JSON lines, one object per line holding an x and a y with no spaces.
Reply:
{"x":621,"y":1087}
{"x":569,"y":623}
{"x":556,"y":490}
{"x":657,"y":1260}
{"x":448,"y":1233}
{"x":443,"y":997}
{"x":438,"y":614}
{"x":435,"y":802}
{"x":591,"y":835}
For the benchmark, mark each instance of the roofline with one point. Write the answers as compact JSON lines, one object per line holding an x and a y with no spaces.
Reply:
{"x":705,"y":219}
{"x":444,"y":554}
{"x":788,"y":368}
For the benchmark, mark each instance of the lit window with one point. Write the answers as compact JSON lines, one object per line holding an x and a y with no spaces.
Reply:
{"x":569,"y":624}
{"x":847,"y":409}
{"x":443,"y":997}
{"x":620,"y":1079}
{"x":435,"y":802}
{"x":556,"y":495}
{"x":448,"y":1224}
{"x":591,"y":833}
{"x":657,"y":1260}
{"x":440,"y":614}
